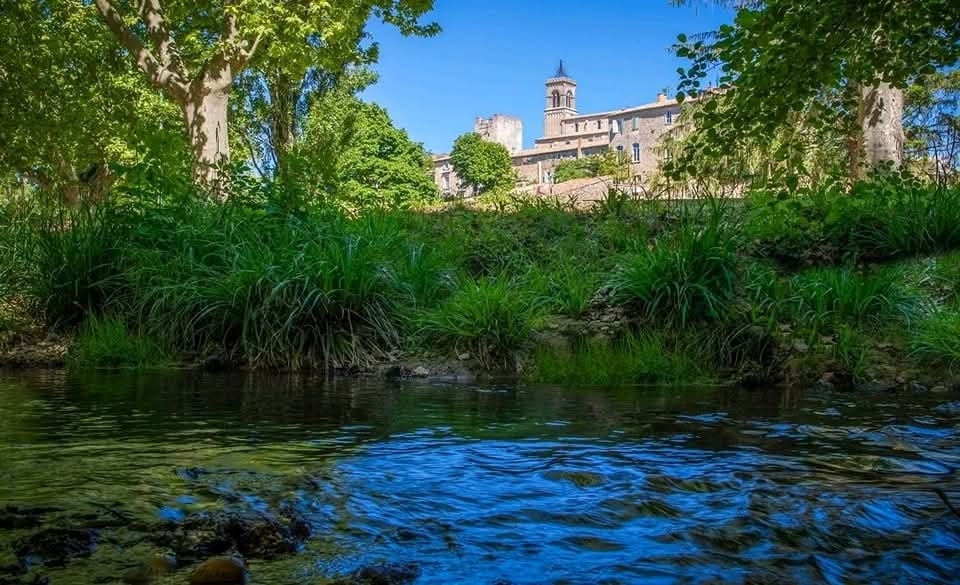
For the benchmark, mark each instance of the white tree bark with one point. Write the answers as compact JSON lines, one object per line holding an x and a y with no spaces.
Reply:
{"x":881,"y":125}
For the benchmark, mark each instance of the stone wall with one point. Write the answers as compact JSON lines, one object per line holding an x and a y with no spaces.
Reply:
{"x":505,"y":130}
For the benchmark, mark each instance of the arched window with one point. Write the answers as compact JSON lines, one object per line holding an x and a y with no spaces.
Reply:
{"x":556,"y":99}
{"x":569,"y":99}
{"x":636,"y":152}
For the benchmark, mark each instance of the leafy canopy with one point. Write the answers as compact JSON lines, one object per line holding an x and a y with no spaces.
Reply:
{"x":70,"y":99}
{"x":780,"y":57}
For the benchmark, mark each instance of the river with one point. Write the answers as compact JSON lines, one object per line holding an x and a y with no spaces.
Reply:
{"x":488,"y":483}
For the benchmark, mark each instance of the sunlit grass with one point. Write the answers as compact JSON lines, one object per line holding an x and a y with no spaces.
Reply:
{"x":635,"y":359}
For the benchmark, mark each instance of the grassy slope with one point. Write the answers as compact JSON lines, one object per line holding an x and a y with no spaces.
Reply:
{"x":773,"y":285}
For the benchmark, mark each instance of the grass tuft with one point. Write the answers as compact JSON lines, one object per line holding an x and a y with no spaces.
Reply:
{"x":690,"y":276}
{"x":937,"y":338}
{"x":488,"y":318}
{"x":846,"y":295}
{"x":635,"y":359}
{"x":107,"y":342}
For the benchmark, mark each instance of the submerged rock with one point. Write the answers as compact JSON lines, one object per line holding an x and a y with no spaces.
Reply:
{"x":150,"y":570}
{"x":20,"y":517}
{"x":35,"y":580}
{"x":55,"y":546}
{"x":252,"y":535}
{"x":220,"y":571}
{"x":382,"y":574}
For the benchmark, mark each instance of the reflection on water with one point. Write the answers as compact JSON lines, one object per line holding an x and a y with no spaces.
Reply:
{"x":481,"y":484}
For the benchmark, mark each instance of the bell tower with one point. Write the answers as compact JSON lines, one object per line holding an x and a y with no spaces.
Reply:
{"x":561,"y":102}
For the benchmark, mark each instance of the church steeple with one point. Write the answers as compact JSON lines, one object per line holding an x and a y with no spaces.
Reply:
{"x":561,"y":101}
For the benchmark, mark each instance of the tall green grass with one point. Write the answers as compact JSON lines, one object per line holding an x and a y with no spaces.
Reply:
{"x":687,"y":276}
{"x":937,"y":338}
{"x":897,"y":219}
{"x":269,"y":279}
{"x":488,"y":318}
{"x":69,"y":261}
{"x":565,"y":287}
{"x":846,"y":295}
{"x":274,"y":291}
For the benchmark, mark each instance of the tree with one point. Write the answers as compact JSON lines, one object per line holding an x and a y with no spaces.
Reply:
{"x":354,"y":154}
{"x":383,"y":167}
{"x":781,"y":57}
{"x":482,"y":165}
{"x":66,"y":104}
{"x":273,"y":114}
{"x":195,"y":50}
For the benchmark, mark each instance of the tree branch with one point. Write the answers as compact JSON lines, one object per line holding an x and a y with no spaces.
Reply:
{"x":152,"y":16}
{"x":234,"y":51}
{"x":159,"y":75}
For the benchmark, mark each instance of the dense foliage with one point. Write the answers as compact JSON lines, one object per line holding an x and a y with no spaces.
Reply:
{"x":482,"y":165}
{"x":788,"y":67}
{"x":352,"y":155}
{"x":144,"y":278}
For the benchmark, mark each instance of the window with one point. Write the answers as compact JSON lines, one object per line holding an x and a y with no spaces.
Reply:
{"x":570,"y":99}
{"x":446,"y":181}
{"x":576,"y":127}
{"x":669,"y":118}
{"x":556,"y":99}
{"x":620,"y":149}
{"x":636,"y":152}
{"x":619,"y":126}
{"x":598,"y":124}
{"x":636,"y":122}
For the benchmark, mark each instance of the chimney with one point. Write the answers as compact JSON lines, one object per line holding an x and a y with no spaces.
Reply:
{"x":661,"y":98}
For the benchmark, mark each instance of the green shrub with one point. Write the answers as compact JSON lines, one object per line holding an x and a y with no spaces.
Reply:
{"x":883,"y":219}
{"x":937,"y":338}
{"x":640,"y":359}
{"x":689,"y":276}
{"x":489,"y":318}
{"x":844,"y":295}
{"x":580,"y":168}
{"x":107,"y":343}
{"x":888,"y":219}
{"x":789,"y":229}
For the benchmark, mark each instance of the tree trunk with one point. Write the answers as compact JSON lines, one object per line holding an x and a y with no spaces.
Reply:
{"x":205,"y":113}
{"x":880,"y":119}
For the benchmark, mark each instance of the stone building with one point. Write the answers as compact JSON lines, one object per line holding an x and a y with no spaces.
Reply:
{"x":567,"y":134}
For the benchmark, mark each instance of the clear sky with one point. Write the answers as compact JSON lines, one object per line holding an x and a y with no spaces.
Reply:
{"x":493,"y":56}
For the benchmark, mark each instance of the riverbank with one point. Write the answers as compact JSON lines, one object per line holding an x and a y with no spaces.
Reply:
{"x":827,"y":288}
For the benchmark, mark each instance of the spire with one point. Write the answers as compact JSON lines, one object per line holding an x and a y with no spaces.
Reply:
{"x":561,"y":72}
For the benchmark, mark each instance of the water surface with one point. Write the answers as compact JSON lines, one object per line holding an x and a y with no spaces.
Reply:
{"x":480,"y":484}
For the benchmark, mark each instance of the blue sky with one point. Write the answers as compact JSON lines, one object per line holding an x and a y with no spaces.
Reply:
{"x":494,"y":55}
